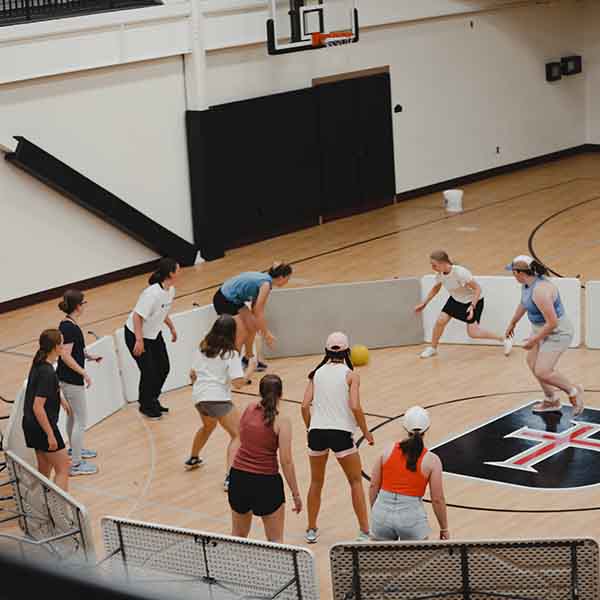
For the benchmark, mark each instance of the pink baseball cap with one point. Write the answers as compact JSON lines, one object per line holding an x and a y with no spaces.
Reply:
{"x":337,"y":341}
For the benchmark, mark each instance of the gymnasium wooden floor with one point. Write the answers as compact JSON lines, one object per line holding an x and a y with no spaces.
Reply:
{"x":141,"y":462}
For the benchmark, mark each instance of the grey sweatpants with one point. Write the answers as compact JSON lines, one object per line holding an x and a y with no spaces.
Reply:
{"x":76,"y":421}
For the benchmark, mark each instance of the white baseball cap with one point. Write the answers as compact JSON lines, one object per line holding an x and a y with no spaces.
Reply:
{"x":522,"y":258}
{"x":416,"y":418}
{"x":337,"y":342}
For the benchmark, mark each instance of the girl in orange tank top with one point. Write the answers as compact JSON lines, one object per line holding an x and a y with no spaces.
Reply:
{"x":398,"y":483}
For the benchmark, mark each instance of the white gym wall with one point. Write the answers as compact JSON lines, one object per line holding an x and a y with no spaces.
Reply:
{"x":591,"y":68}
{"x":124,"y":128}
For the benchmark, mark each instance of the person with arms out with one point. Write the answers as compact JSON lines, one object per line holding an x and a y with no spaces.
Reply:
{"x":41,"y":408}
{"x":465,"y":303}
{"x":255,"y":486}
{"x":551,"y":335}
{"x":74,"y":379}
{"x":332,"y":411}
{"x":144,"y":338}
{"x":398,"y":482}
{"x":216,"y":368}
{"x":253,"y":287}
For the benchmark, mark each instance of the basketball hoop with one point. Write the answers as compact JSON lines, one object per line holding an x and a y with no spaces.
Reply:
{"x":333,"y":38}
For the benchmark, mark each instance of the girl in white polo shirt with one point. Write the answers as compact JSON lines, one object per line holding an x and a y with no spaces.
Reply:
{"x":144,"y":338}
{"x":465,"y":303}
{"x":216,"y":367}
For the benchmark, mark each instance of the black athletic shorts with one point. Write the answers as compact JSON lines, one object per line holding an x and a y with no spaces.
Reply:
{"x":224,"y":306}
{"x":320,"y":441}
{"x":36,"y":438}
{"x":458,"y":310}
{"x":260,"y":494}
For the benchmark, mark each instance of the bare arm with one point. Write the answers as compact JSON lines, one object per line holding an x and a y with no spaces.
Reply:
{"x":375,"y":480}
{"x":473,"y":285}
{"x":42,"y":418}
{"x":138,"y":323}
{"x":438,"y":500}
{"x":284,"y":427}
{"x":171,"y":327}
{"x":68,"y":359}
{"x":432,"y":293}
{"x":258,"y":308}
{"x":354,"y":382}
{"x":519,"y":312}
{"x":307,"y":402}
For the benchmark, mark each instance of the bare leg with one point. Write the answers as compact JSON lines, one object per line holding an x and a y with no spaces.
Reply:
{"x":317,"y":479}
{"x":44,"y":467}
{"x":249,"y":325}
{"x":531,"y":361}
{"x":546,"y":374}
{"x":438,"y":329}
{"x":202,"y":435}
{"x":476,"y":332}
{"x":61,"y":463}
{"x":240,"y":332}
{"x":353,"y":470}
{"x":273,"y":525}
{"x":231,"y":424}
{"x":241,"y":524}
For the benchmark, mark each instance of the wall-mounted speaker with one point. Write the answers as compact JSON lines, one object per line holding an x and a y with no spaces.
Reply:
{"x":553,"y":71}
{"x":570,"y":65}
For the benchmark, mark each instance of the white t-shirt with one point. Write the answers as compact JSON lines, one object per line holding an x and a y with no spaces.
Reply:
{"x":331,"y":399}
{"x":455,"y":283}
{"x":214,"y":375}
{"x":153,"y":306}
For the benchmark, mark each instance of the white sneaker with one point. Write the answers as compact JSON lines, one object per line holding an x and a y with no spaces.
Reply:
{"x":363,"y":536}
{"x":311,"y":536}
{"x":428,"y":352}
{"x":578,"y":405}
{"x":83,"y":468}
{"x":548,"y":405}
{"x":508,"y":344}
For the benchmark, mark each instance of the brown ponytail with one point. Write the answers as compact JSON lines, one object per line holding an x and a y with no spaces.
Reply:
{"x":271,"y":389}
{"x":165,"y":268}
{"x":333,"y":355}
{"x":71,"y":300}
{"x":412,"y":449}
{"x":49,"y":339}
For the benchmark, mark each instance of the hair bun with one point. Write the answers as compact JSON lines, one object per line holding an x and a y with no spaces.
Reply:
{"x":63,"y":306}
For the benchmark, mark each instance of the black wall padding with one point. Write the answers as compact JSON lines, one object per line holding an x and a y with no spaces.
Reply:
{"x":254,"y":169}
{"x":275,"y":164}
{"x":357,"y":146}
{"x":83,"y":191}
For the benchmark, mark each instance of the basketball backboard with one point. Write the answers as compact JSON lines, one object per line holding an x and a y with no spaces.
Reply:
{"x":297,"y":25}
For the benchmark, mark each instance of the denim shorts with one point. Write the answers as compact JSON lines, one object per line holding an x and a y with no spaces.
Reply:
{"x":398,"y":517}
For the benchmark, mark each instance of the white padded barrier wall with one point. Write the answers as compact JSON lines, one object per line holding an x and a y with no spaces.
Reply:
{"x":592,"y":310}
{"x":14,"y":439}
{"x":191,"y":327}
{"x":502,"y":294}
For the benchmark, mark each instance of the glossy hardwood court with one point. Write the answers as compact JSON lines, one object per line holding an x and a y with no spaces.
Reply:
{"x":141,"y":462}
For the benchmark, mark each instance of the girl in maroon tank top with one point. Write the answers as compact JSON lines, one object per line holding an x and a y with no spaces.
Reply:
{"x":255,"y":485}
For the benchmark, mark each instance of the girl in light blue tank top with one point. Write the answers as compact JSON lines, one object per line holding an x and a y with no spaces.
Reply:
{"x":551,"y":335}
{"x":253,"y":287}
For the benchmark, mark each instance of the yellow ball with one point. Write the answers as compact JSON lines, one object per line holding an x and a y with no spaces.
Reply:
{"x":359,"y":355}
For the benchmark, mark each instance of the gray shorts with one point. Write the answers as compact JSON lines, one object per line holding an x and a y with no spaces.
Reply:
{"x":559,"y":339}
{"x":397,"y":517}
{"x":216,"y":410}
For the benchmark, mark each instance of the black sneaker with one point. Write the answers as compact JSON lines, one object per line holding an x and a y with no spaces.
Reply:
{"x":162,"y":409}
{"x":244,"y":362}
{"x":193,"y":462}
{"x":261,"y":366}
{"x":151,"y":414}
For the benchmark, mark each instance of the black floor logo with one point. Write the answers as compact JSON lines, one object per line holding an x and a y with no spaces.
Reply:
{"x":546,"y":450}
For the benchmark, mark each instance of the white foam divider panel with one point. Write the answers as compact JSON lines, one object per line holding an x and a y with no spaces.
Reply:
{"x":191,"y":327}
{"x":501,"y":294}
{"x":14,"y":438}
{"x":592,"y":310}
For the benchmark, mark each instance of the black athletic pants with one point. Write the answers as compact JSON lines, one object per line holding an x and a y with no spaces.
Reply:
{"x":154,"y":367}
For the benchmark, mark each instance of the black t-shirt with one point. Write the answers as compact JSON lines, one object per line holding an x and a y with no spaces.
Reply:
{"x":42,"y":382}
{"x":72,"y":334}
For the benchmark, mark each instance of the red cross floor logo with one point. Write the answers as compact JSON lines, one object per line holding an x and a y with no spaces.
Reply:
{"x":526,"y":449}
{"x":549,"y":444}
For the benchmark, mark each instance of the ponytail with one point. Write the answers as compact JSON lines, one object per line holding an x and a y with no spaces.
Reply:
{"x":165,"y":268}
{"x":537,"y":268}
{"x":49,"y":340}
{"x":280,"y":269}
{"x":332,"y":355}
{"x":412,"y":448}
{"x":271,"y":389}
{"x":71,"y":300}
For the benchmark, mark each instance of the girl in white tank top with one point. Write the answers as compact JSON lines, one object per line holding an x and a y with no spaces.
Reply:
{"x":331,"y":411}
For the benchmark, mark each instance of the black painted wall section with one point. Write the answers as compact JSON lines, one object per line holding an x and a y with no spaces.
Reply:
{"x":84,"y":192}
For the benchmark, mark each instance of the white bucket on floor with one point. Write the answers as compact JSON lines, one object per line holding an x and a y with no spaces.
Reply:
{"x":453,"y":200}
